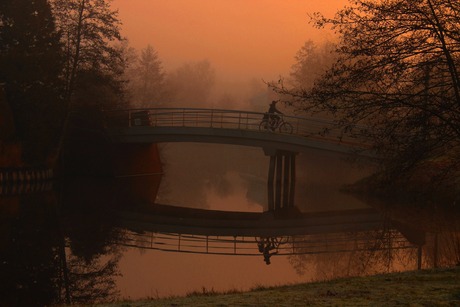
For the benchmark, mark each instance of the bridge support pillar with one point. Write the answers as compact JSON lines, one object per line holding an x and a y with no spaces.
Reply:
{"x":281,"y":180}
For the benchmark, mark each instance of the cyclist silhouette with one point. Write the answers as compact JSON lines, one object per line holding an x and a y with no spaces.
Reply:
{"x":272,"y":121}
{"x":272,"y":111}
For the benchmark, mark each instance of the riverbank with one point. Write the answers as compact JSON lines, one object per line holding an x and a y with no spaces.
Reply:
{"x":437,"y":287}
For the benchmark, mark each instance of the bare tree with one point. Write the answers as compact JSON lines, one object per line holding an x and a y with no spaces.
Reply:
{"x":397,"y":75}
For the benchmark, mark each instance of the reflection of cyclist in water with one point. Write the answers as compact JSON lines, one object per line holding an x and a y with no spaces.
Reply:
{"x":266,"y":245}
{"x":272,"y":117}
{"x":267,"y":255}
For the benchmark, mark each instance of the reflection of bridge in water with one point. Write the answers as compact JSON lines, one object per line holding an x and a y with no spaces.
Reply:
{"x":186,"y":230}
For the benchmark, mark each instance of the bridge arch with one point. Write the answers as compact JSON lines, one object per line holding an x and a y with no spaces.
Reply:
{"x":157,"y":125}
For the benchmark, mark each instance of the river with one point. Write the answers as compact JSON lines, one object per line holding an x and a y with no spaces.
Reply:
{"x":203,"y":225}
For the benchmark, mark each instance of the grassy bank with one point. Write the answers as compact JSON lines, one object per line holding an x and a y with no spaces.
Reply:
{"x":439,"y":287}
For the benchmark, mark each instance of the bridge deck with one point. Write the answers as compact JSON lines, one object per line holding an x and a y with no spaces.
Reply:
{"x":225,"y":126}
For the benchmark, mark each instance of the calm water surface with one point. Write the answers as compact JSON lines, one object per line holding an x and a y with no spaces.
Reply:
{"x":96,"y":240}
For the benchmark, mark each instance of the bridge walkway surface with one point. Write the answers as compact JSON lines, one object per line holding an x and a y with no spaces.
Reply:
{"x":157,"y":125}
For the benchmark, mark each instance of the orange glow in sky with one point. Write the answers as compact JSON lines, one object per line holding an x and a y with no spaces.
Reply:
{"x":241,"y":38}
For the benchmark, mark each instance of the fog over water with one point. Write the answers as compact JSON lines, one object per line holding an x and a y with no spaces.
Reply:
{"x":228,"y":177}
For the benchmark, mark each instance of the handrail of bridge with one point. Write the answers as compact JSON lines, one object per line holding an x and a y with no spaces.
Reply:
{"x":219,"y":118}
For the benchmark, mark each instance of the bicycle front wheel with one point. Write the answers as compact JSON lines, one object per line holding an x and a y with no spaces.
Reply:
{"x":286,"y":128}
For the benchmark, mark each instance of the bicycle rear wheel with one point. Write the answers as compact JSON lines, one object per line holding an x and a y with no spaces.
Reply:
{"x":264,"y":125}
{"x":286,"y":128}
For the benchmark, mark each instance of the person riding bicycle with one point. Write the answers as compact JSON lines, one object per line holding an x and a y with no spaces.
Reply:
{"x":272,"y":114}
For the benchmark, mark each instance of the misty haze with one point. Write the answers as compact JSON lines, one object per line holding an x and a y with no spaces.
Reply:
{"x":192,"y":152}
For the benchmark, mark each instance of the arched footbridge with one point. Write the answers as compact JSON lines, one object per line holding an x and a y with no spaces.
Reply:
{"x":281,"y":142}
{"x":157,"y":125}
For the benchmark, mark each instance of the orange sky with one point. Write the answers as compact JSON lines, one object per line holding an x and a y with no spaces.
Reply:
{"x":241,"y":38}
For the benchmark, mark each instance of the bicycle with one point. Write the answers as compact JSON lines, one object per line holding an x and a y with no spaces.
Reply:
{"x":273,"y":122}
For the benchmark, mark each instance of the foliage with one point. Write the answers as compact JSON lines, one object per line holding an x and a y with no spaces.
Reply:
{"x":30,"y":57}
{"x":88,"y":27}
{"x":94,"y":66}
{"x":396,"y":82}
{"x":53,"y":58}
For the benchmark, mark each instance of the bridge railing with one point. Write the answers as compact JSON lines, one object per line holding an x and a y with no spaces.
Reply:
{"x":224,"y":119}
{"x":312,"y":128}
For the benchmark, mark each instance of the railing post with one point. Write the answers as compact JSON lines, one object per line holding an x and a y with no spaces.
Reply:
{"x":239,"y":120}
{"x":183,"y":118}
{"x":212,"y":117}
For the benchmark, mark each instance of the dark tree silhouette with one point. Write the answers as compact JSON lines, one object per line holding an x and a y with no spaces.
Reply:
{"x":31,"y":65}
{"x":88,"y":28}
{"x":396,"y":82}
{"x":94,"y":66}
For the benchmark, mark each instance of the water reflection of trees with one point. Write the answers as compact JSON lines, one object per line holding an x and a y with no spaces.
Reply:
{"x":89,"y":227}
{"x":431,"y":215}
{"x":93,"y":281}
{"x":37,"y":265}
{"x":443,"y":249}
{"x":29,"y":254}
{"x":410,"y":238}
{"x":352,"y":254}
